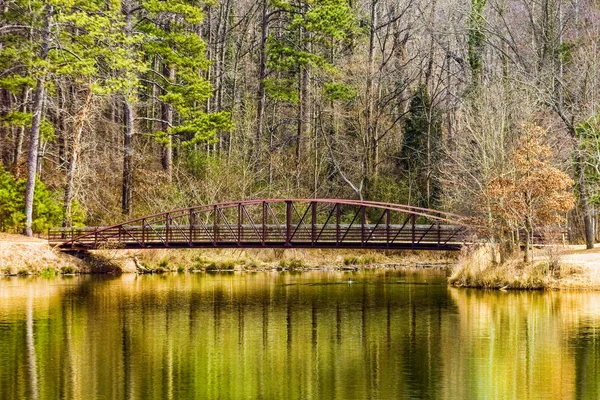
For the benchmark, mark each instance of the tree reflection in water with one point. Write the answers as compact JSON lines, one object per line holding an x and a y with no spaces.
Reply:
{"x":390,"y":334}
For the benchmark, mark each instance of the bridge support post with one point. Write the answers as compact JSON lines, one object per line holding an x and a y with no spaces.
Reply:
{"x":215,"y":226}
{"x":413,"y":233}
{"x":167,"y":229}
{"x":192,"y":223}
{"x":143,"y":232}
{"x":240,"y":223}
{"x":387,"y":228}
{"x":264,"y":222}
{"x":313,"y":222}
{"x":338,"y":214}
{"x":363,"y":221}
{"x":288,"y":222}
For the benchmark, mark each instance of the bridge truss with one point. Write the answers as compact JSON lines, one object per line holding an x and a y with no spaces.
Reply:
{"x":282,"y":223}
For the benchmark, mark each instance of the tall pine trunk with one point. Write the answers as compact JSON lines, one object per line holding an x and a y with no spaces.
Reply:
{"x":128,"y":128}
{"x":370,"y":140}
{"x":167,"y":122}
{"x":34,"y":134}
{"x":128,"y":131}
{"x":262,"y":74}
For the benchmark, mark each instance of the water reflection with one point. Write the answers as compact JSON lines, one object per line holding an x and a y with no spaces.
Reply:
{"x":389,"y":334}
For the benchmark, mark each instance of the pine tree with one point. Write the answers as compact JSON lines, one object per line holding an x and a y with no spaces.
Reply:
{"x":420,"y":156}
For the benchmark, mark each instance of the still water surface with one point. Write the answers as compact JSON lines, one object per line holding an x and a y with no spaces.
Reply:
{"x":312,"y":335}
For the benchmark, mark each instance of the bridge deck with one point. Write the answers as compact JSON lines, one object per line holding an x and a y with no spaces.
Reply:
{"x":422,"y":237}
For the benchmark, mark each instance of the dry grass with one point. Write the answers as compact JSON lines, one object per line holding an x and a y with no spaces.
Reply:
{"x":23,"y":255}
{"x":257,"y":259}
{"x":475,"y":269}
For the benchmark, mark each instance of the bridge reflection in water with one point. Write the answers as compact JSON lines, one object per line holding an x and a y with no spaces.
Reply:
{"x":284,"y":223}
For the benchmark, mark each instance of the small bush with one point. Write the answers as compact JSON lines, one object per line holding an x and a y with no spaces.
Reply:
{"x":180,"y":268}
{"x":47,"y":209}
{"x":48,"y":273}
{"x":23,"y":272}
{"x":163,"y":264}
{"x":67,"y":270}
{"x":350,"y":260}
{"x":227,"y":264}
{"x":364,"y":260}
{"x":296,"y":263}
{"x":212,"y":267}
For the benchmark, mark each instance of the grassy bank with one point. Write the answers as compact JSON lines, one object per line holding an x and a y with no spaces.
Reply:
{"x":264,"y":259}
{"x":20,"y":255}
{"x":549,"y":270}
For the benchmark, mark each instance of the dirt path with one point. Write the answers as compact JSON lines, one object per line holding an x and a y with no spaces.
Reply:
{"x":579,"y":255}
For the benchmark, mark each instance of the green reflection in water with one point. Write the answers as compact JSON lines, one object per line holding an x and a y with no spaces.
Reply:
{"x":386,"y":334}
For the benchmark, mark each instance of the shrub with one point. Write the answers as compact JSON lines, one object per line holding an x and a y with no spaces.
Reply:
{"x":212,"y":267}
{"x":48,"y":273}
{"x":227,"y":265}
{"x":67,"y":270}
{"x":47,"y":211}
{"x":364,"y":260}
{"x":296,"y":263}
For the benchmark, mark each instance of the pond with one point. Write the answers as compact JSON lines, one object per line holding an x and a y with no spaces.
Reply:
{"x":312,"y":335}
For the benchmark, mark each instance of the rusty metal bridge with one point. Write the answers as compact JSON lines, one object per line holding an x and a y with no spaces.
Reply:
{"x":284,"y":223}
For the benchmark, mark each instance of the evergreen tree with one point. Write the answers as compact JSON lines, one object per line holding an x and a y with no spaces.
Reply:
{"x":421,"y":151}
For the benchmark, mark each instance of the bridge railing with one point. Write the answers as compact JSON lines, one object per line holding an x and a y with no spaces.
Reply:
{"x":277,"y":223}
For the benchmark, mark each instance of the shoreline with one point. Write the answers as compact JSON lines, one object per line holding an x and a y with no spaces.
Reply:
{"x":576,"y":268}
{"x":21,"y":256}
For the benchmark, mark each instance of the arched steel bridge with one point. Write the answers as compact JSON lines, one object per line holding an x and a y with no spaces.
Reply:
{"x":281,"y":223}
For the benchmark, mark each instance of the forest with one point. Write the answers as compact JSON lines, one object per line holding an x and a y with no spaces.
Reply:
{"x":111,"y":109}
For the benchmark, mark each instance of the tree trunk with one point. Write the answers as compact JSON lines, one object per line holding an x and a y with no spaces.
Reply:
{"x":128,"y":131}
{"x":128,"y":128}
{"x":585,"y":207}
{"x":262,"y":73}
{"x":167,"y":122}
{"x":75,"y":147}
{"x":20,"y":134}
{"x":34,"y":135}
{"x":301,"y":115}
{"x":527,"y":256}
{"x":370,"y":141}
